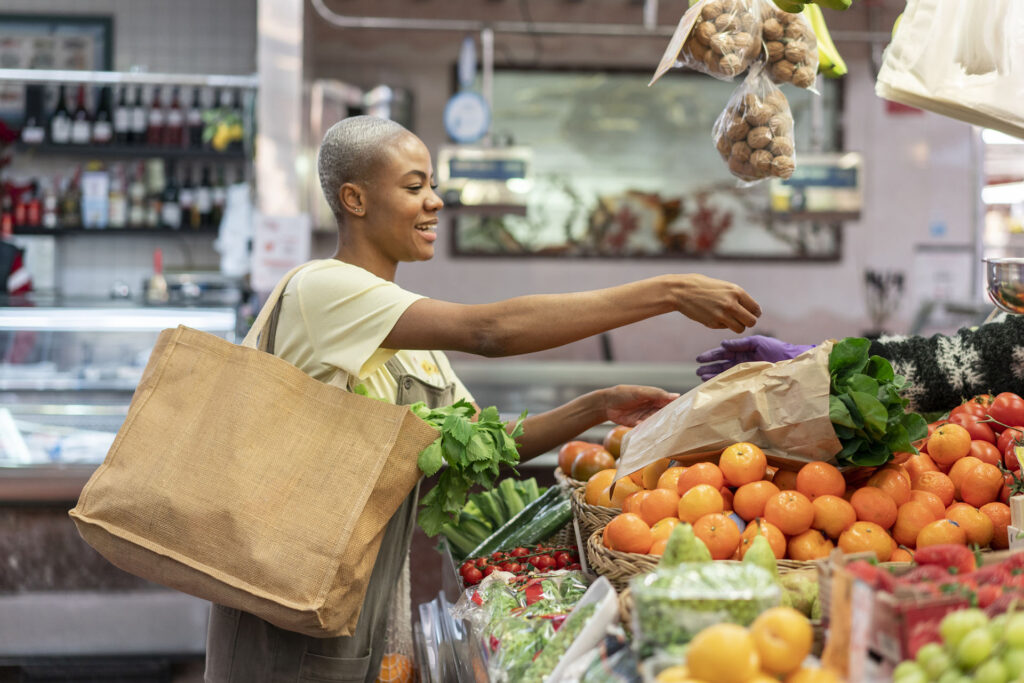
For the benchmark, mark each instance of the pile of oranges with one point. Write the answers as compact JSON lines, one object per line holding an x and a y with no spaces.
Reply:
{"x":942,"y":495}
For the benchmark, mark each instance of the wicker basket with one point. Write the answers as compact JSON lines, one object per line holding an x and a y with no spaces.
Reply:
{"x":616,"y":566}
{"x":590,"y":517}
{"x":568,"y":484}
{"x":563,"y":538}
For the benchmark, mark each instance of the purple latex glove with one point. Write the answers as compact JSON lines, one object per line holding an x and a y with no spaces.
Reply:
{"x":734,"y":351}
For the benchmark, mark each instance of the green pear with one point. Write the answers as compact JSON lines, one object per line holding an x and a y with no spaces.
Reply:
{"x":760,"y":553}
{"x":684,"y":546}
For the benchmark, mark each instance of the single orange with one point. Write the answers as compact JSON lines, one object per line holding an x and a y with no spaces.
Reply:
{"x":999,"y":513}
{"x":749,"y":499}
{"x":669,"y":479}
{"x":622,"y":489}
{"x":719,"y":533}
{"x":959,"y":471}
{"x":727,"y":498}
{"x":933,"y":502}
{"x":948,"y":443}
{"x":867,"y":537}
{"x":658,"y":505}
{"x":658,"y":547}
{"x":790,"y":511}
{"x":916,"y":464}
{"x":742,"y":463}
{"x":820,"y":479}
{"x":700,"y":473}
{"x":632,"y":502}
{"x":977,"y":526}
{"x":902,"y":554}
{"x":395,"y":668}
{"x":650,"y":474}
{"x":893,"y":482}
{"x":663,"y":528}
{"x":628,"y":533}
{"x":981,"y":485}
{"x":941,"y":531}
{"x":873,"y":505}
{"x":776,"y":539}
{"x":911,"y":518}
{"x":785,"y":480}
{"x":810,"y":545}
{"x":596,"y":491}
{"x":937,"y":483}
{"x":613,"y":440}
{"x":701,"y":500}
{"x":832,"y":515}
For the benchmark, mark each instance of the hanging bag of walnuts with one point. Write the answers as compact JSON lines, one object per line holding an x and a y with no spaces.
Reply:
{"x":791,"y":48}
{"x":754,"y":134}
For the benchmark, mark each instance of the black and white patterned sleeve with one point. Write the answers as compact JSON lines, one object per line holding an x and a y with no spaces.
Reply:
{"x":943,"y":370}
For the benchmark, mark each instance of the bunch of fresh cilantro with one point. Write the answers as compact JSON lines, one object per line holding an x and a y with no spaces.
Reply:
{"x":865,"y":407}
{"x":474,"y":450}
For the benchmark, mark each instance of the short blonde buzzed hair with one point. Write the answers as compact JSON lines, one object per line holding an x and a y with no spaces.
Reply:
{"x":350,"y":152}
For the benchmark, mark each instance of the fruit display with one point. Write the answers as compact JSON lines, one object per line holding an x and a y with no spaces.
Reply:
{"x":754,"y":133}
{"x":725,"y":38}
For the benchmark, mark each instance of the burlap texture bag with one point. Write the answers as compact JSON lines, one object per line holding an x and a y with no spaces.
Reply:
{"x":241,"y":480}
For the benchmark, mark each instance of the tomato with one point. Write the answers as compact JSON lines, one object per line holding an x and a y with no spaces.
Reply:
{"x":1007,"y":435}
{"x":568,"y":452}
{"x":573,"y":566}
{"x":542,"y":561}
{"x":490,"y":569}
{"x":518,"y":552}
{"x":563,"y":559}
{"x":515,"y":567}
{"x":468,"y":564}
{"x":1010,"y":460}
{"x":948,"y":555}
{"x":969,"y":408}
{"x":1007,"y":408}
{"x":986,"y":452}
{"x":480,"y":562}
{"x":980,"y":431}
{"x":472,"y":576}
{"x":932,"y":426}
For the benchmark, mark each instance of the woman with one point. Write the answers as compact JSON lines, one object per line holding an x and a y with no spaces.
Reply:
{"x":941,"y":370}
{"x":346,"y":315}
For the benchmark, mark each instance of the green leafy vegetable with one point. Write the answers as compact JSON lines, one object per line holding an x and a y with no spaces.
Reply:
{"x":865,"y":406}
{"x":473,"y":451}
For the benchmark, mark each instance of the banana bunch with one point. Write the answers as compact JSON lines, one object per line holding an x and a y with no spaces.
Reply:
{"x":797,"y":6}
{"x":830,"y":62}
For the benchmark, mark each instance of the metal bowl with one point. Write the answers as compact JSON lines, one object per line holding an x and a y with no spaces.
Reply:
{"x":1005,"y":283}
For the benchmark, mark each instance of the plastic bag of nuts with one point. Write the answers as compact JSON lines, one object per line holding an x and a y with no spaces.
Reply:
{"x":725,"y":37}
{"x":754,"y":134}
{"x":791,"y":47}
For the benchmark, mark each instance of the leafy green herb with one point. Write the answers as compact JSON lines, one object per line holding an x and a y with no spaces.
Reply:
{"x":865,"y":406}
{"x":473,"y":451}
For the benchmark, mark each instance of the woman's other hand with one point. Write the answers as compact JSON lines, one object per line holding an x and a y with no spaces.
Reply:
{"x":628,"y":404}
{"x":754,"y":348}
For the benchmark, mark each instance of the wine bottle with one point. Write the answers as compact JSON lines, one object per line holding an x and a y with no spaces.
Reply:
{"x":174,"y":124}
{"x":103,"y":124}
{"x":123,"y":118}
{"x":156,"y":120}
{"x":204,"y":199}
{"x":81,"y":122}
{"x":118,"y":202}
{"x":187,"y":198}
{"x":219,"y":196}
{"x":60,"y":120}
{"x":50,"y":205}
{"x":71,"y":202}
{"x":170,"y":208}
{"x":140,"y":118}
{"x":194,"y":122}
{"x":33,"y":130}
{"x":137,"y":198}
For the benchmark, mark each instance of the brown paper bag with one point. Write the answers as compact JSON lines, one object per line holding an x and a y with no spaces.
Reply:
{"x":780,"y":407}
{"x":241,"y":480}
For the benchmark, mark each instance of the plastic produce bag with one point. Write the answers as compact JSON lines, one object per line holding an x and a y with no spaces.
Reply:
{"x":791,"y":48}
{"x":960,"y":60}
{"x":721,"y":38}
{"x":754,"y":133}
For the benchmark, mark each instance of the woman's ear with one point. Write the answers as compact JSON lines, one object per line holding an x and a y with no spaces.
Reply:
{"x":351,"y":197}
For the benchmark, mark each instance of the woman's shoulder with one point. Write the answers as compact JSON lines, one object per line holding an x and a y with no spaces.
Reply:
{"x":334,"y":274}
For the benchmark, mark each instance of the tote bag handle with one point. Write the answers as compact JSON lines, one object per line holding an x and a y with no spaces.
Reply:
{"x":253,"y":337}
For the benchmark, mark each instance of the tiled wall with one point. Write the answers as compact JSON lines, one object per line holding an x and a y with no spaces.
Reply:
{"x":183,"y":36}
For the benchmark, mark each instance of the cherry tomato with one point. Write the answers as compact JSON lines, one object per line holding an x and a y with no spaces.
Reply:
{"x":472,"y":576}
{"x":1010,"y":460}
{"x":497,"y":556}
{"x":480,"y":562}
{"x":969,"y":408}
{"x":1007,"y":408}
{"x":980,"y":431}
{"x":543,"y":561}
{"x":489,"y":569}
{"x":514,"y":567}
{"x":519,"y":552}
{"x":466,"y":565}
{"x":562,"y":559}
{"x":1008,"y":435}
{"x":574,"y":565}
{"x":986,"y":452}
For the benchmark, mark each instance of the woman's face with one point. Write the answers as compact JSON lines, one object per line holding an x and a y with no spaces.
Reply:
{"x":402,"y":207}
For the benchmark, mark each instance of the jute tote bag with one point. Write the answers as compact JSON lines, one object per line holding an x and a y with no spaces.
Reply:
{"x":241,"y":480}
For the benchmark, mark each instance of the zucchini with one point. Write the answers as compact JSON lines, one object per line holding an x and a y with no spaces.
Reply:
{"x":488,"y":508}
{"x":510,"y":496}
{"x":541,"y":514}
{"x":529,"y":490}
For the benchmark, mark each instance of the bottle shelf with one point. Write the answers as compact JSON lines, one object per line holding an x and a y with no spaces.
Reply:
{"x":114,"y":151}
{"x":129,"y":230}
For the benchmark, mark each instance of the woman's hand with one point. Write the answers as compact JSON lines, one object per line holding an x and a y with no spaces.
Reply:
{"x":716,"y":303}
{"x":628,"y":404}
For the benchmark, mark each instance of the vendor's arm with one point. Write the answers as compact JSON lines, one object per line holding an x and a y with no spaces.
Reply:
{"x":944,"y":370}
{"x":534,"y":323}
{"x":623,"y":404}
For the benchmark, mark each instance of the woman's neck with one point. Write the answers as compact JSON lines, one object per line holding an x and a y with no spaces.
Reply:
{"x":367,"y":259}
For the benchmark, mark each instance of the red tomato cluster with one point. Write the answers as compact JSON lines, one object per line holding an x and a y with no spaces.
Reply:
{"x":521,"y":561}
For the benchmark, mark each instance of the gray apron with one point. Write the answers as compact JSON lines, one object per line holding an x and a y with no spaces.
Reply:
{"x":241,"y":648}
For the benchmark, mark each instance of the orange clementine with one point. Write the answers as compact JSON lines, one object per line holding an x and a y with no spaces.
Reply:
{"x":719,"y":533}
{"x":911,"y":518}
{"x":937,"y":483}
{"x":832,"y":515}
{"x":727,"y":498}
{"x":658,"y":547}
{"x":941,"y":531}
{"x":916,"y":464}
{"x":977,"y":526}
{"x":959,"y":471}
{"x":622,"y":489}
{"x":813,"y":675}
{"x":658,"y":504}
{"x":749,"y":499}
{"x":785,"y":480}
{"x":873,"y":505}
{"x":791,"y":511}
{"x":810,"y":545}
{"x":395,"y":668}
{"x":742,"y":463}
{"x":669,"y":479}
{"x":999,"y":513}
{"x":893,"y":483}
{"x":701,"y":500}
{"x":596,"y":491}
{"x":663,"y":527}
{"x":981,"y":485}
{"x":628,"y":533}
{"x":613,"y":440}
{"x":776,"y":539}
{"x":933,"y":502}
{"x":820,"y":479}
{"x":652,"y":473}
{"x":867,"y":537}
{"x":948,"y":443}
{"x":901,"y":554}
{"x":700,"y":473}
{"x":632,"y":502}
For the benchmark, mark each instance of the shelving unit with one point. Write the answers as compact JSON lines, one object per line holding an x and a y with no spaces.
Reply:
{"x":110,"y":232}
{"x":114,"y":151}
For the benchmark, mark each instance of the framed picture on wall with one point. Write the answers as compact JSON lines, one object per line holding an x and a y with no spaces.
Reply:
{"x":619,"y":169}
{"x":42,"y":41}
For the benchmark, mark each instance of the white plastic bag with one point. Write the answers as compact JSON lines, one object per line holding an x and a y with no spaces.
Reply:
{"x":960,"y":59}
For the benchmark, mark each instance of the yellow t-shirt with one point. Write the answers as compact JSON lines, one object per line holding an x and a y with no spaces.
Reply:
{"x":334,"y":317}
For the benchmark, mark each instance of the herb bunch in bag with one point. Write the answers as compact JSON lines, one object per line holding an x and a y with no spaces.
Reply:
{"x":754,"y":134}
{"x":791,"y":48}
{"x":725,"y":38}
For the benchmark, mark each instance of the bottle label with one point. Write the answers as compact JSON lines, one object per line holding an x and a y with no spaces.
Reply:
{"x":195,"y":118}
{"x":60,"y":130}
{"x":171,"y":215}
{"x":186,"y":198}
{"x":204,"y":201}
{"x":33,"y":135}
{"x":139,"y":120}
{"x":174,"y":118}
{"x":102,"y":131}
{"x":122,"y":120}
{"x":80,"y":132}
{"x":118,"y":211}
{"x":220,"y":196}
{"x":156,"y":118}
